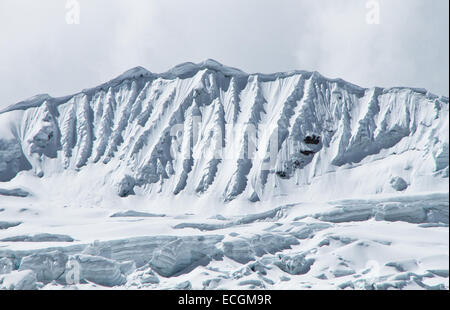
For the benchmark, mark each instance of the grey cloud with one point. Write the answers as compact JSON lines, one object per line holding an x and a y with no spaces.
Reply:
{"x":40,"y":53}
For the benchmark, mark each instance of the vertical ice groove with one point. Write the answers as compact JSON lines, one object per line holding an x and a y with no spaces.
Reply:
{"x":212,"y":147}
{"x":306,"y":122}
{"x":206,"y":132}
{"x":148,"y":104}
{"x":105,"y":126}
{"x":68,"y":130}
{"x":137,"y":107}
{"x":324,"y":127}
{"x":84,"y":131}
{"x":98,"y":107}
{"x":361,"y":143}
{"x":232,"y":108}
{"x":155,"y":142}
{"x":125,"y":106}
{"x":282,"y":121}
{"x":343,"y":134}
{"x":155,"y":123}
{"x":304,"y":119}
{"x":187,"y":160}
{"x":250,"y":118}
{"x":386,"y":121}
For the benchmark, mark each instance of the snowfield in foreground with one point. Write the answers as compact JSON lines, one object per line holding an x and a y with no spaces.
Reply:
{"x":398,"y":242}
{"x":205,"y":177}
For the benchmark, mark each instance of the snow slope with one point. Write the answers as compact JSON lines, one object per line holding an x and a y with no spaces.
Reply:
{"x":180,"y":159}
{"x":141,"y":124}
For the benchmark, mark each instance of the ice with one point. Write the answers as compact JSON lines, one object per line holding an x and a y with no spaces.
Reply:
{"x":12,"y":159}
{"x":294,"y":265}
{"x":202,"y":226}
{"x":239,"y":250}
{"x":327,"y":130}
{"x":99,"y":270}
{"x":179,"y":255}
{"x":6,"y":265}
{"x":421,"y":209}
{"x":44,"y":237}
{"x":314,"y":250}
{"x":186,"y":285}
{"x":34,"y":101}
{"x":152,"y":181}
{"x":342,"y":271}
{"x":402,"y":266}
{"x":6,"y":225}
{"x":127,"y":267}
{"x":262,"y":257}
{"x":125,"y":186}
{"x":252,"y":283}
{"x":243,"y":249}
{"x":149,"y":278}
{"x":398,"y":184}
{"x":47,"y":267}
{"x":19,"y":280}
{"x":271,"y":214}
{"x":440,"y":273}
{"x":211,"y":284}
{"x":305,"y":231}
{"x":17,"y":192}
{"x":132,"y":213}
{"x":139,"y":249}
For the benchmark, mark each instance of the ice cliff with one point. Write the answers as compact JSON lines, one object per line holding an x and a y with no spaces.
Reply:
{"x":210,"y":130}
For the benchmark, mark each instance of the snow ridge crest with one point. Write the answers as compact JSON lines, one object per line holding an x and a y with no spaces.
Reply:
{"x":208,"y":129}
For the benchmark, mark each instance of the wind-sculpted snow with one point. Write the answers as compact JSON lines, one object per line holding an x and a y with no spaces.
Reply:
{"x":418,"y":209}
{"x":271,"y":214}
{"x":39,"y":238}
{"x":131,"y":213}
{"x":17,"y":192}
{"x":6,"y":225}
{"x":206,"y":177}
{"x":210,"y":130}
{"x":244,"y":250}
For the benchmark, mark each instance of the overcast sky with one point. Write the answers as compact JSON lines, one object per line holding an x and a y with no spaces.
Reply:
{"x":41,"y":53}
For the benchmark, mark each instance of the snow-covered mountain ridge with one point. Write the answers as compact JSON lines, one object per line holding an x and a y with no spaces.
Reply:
{"x":206,"y":177}
{"x":212,"y":131}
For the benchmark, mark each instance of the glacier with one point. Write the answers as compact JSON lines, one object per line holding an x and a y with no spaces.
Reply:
{"x":205,"y":176}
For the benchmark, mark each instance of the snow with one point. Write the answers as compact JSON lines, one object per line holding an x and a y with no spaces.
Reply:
{"x":208,"y":177}
{"x":18,"y":192}
{"x":19,"y":280}
{"x":47,"y":266}
{"x":6,"y":225}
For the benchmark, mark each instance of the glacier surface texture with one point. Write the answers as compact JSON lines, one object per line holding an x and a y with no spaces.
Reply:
{"x":206,"y":177}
